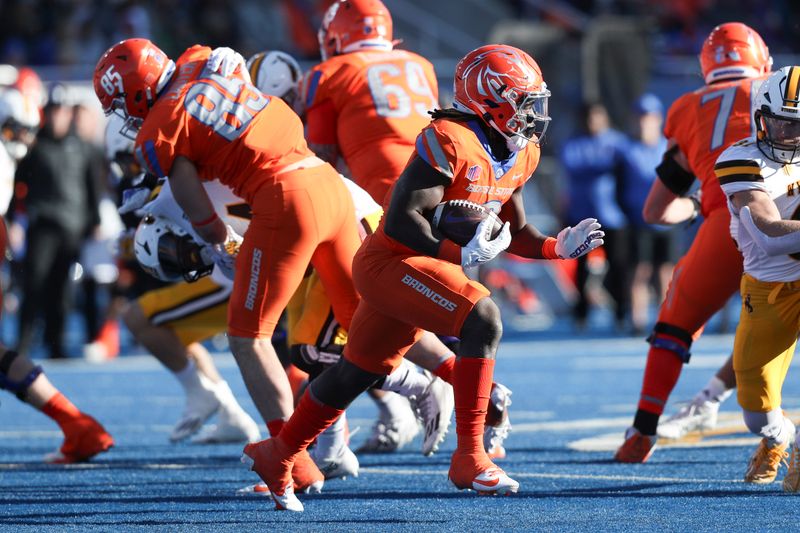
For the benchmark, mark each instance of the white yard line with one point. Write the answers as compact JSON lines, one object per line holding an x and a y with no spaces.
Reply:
{"x":542,"y":475}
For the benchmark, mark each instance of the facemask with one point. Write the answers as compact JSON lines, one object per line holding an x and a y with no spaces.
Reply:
{"x":516,"y":143}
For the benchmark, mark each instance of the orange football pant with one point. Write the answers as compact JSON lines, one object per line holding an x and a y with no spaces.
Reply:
{"x":402,"y":295}
{"x":703,"y":280}
{"x":306,"y":216}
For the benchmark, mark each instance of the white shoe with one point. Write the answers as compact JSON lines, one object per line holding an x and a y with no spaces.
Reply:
{"x":697,"y":415}
{"x":201,"y":404}
{"x":233,"y":424}
{"x":434,"y":408}
{"x":342,"y":465}
{"x":391,"y":434}
{"x":498,"y":424}
{"x":286,"y":500}
{"x":226,"y":432}
{"x":495,"y":481}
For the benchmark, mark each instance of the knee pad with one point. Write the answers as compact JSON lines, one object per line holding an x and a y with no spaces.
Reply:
{"x":19,"y":388}
{"x":450,"y":342}
{"x":342,"y":383}
{"x":770,"y":425}
{"x":311,"y":359}
{"x":673,"y":339}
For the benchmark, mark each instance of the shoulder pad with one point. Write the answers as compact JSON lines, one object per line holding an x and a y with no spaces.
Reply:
{"x":742,"y":161}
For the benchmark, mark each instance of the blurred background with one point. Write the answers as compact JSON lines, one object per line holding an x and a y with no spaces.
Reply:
{"x":620,"y":62}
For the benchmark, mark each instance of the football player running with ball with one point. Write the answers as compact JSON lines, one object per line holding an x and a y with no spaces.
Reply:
{"x":734,"y":61}
{"x":761,"y":178}
{"x":482,"y":150}
{"x":195,"y":124}
{"x":365,"y":104}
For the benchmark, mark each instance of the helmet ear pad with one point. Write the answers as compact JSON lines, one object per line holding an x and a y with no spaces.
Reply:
{"x":759,"y":123}
{"x":167,"y":252}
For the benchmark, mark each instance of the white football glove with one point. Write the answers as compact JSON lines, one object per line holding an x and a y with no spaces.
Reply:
{"x":574,"y":242}
{"x":225,"y":61}
{"x":134,"y":199}
{"x":480,"y":249}
{"x":223,"y":254}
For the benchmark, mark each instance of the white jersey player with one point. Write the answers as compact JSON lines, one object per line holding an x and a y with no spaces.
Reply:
{"x":760,"y":177}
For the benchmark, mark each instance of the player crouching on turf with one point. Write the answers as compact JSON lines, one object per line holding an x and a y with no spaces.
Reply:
{"x":412,"y":280}
{"x":171,"y":321}
{"x":761,"y":179}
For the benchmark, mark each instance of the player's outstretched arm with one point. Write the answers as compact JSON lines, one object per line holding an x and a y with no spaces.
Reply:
{"x":759,"y":216}
{"x":526,"y":240}
{"x":417,"y":192}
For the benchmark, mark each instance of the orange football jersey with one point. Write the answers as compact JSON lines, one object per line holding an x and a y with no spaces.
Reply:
{"x":705,"y":122}
{"x":225,"y":126}
{"x":372,"y":104}
{"x":460,"y":151}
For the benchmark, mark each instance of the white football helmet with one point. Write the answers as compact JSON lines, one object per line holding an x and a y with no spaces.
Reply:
{"x":275,"y":73}
{"x":119,"y":150}
{"x":19,"y":120}
{"x":777,"y":115}
{"x":115,"y":141}
{"x":166,"y":252}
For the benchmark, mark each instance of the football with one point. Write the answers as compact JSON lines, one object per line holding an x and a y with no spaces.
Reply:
{"x":458,"y":219}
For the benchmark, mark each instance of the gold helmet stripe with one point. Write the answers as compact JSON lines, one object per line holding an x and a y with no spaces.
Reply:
{"x":255,"y":65}
{"x":790,"y":97}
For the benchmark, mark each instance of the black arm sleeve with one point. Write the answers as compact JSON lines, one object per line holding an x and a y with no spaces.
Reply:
{"x":672,"y":175}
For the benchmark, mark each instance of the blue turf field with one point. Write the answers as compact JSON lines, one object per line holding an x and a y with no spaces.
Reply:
{"x":572,"y":401}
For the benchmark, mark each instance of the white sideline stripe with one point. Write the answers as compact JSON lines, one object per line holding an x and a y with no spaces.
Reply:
{"x":532,"y":348}
{"x":541,"y":475}
{"x":726,"y":418}
{"x":107,"y":466}
{"x":23,"y":433}
{"x":571,"y":425}
{"x":609,"y":442}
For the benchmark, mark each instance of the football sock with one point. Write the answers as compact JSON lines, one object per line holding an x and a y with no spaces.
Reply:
{"x":275,"y":426}
{"x":660,"y":375}
{"x":445,"y":370}
{"x":406,"y":380}
{"x":472,"y":388}
{"x":309,"y":420}
{"x":391,"y":406}
{"x":61,"y":410}
{"x":646,"y":422}
{"x":334,"y":438}
{"x":772,"y":425}
{"x":714,"y":391}
{"x":188,"y":377}
{"x":297,"y":380}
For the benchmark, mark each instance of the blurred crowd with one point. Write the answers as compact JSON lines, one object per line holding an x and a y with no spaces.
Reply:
{"x":608,"y":174}
{"x":62,"y":220}
{"x":69,"y":32}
